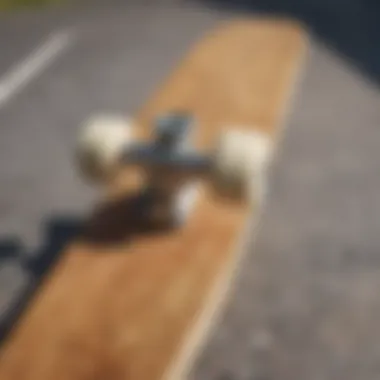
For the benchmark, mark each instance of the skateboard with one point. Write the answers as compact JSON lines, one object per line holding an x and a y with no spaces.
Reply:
{"x":182,"y":185}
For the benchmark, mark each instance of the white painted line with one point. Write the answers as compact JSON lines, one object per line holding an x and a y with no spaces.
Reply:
{"x":23,"y":73}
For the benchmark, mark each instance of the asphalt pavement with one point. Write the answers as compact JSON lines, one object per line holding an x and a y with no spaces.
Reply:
{"x":306,"y":303}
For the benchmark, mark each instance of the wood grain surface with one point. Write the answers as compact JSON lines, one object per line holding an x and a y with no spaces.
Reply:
{"x":127,"y":301}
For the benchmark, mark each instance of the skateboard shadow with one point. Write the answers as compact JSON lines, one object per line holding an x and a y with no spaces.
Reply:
{"x":111,"y":223}
{"x":32,"y":266}
{"x":351,"y":28}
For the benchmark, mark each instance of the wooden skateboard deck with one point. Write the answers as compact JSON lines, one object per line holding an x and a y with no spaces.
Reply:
{"x":124,"y":303}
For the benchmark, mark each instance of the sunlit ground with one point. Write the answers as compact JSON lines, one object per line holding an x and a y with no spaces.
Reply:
{"x":22,"y":4}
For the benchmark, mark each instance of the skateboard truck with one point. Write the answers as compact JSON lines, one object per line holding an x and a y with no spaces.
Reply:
{"x":171,"y":165}
{"x":170,"y":151}
{"x":236,"y":167}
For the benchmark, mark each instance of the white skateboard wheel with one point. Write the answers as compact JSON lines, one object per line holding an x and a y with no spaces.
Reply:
{"x":101,"y":141}
{"x":241,"y":161}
